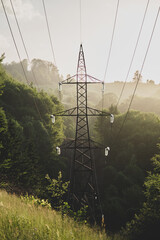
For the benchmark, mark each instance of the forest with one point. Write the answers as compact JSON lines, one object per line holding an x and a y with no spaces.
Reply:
{"x":128,"y":178}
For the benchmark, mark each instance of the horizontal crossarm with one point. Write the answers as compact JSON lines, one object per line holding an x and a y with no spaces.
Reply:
{"x":93,"y":79}
{"x":95,"y":112}
{"x":71,"y":145}
{"x":68,"y":112}
{"x":73,"y":79}
{"x":90,"y":112}
{"x":70,"y":80}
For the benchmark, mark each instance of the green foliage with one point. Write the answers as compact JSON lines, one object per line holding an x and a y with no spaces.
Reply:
{"x":80,"y":216}
{"x":56,"y":190}
{"x":28,"y":139}
{"x":121,"y":175}
{"x":36,"y":201}
{"x":145,"y":225}
{"x":55,"y":193}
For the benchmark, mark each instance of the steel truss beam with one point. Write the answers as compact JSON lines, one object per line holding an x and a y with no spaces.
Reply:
{"x":73,"y":79}
{"x":90,"y":112}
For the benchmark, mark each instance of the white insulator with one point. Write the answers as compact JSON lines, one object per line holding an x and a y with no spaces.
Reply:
{"x":111,"y":118}
{"x":58,"y":150}
{"x":60,"y":86}
{"x":53,"y":119}
{"x":107,"y":149}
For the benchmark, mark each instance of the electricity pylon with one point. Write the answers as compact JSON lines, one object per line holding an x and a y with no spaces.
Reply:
{"x":83,"y":185}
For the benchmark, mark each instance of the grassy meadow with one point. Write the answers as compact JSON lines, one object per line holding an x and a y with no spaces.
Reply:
{"x":20,"y":220}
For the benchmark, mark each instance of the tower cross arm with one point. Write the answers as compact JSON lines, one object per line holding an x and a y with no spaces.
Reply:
{"x":90,"y":112}
{"x":68,"y":112}
{"x":73,"y":79}
{"x":94,"y":80}
{"x":96,"y":112}
{"x":70,"y":80}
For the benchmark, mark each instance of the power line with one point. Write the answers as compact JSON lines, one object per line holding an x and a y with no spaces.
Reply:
{"x":111,"y":43}
{"x":19,"y":55}
{"x":50,"y":39}
{"x":24,"y":45}
{"x":109,"y":54}
{"x":106,"y":69}
{"x":25,"y":48}
{"x":49,"y":34}
{"x":14,"y":42}
{"x":149,"y":43}
{"x":139,"y":34}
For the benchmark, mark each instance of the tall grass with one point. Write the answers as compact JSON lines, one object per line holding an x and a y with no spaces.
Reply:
{"x":23,"y":221}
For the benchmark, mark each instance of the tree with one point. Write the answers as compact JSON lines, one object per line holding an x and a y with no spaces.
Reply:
{"x":150,"y":82}
{"x":56,"y":190}
{"x":39,"y":72}
{"x":137,"y":77}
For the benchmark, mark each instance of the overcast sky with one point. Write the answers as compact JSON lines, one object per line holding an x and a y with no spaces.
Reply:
{"x":97,"y":25}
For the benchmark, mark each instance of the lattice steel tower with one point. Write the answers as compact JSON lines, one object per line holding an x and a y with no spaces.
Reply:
{"x":83,"y":187}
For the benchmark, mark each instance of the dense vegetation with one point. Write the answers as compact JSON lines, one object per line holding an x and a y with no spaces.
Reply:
{"x":29,"y":163}
{"x":124,"y":170}
{"x":145,"y":224}
{"x":28,"y":138}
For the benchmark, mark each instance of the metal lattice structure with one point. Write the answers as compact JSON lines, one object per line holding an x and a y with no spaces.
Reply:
{"x":83,"y":186}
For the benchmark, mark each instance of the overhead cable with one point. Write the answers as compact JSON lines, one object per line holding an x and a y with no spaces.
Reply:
{"x":14,"y":42}
{"x":149,"y":43}
{"x":19,"y":55}
{"x":24,"y":45}
{"x":49,"y":34}
{"x":139,"y":34}
{"x":109,"y":54}
{"x":111,"y":43}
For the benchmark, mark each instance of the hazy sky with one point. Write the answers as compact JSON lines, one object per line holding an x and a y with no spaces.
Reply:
{"x":97,"y":25}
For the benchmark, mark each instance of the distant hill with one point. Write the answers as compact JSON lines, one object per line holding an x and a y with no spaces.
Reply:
{"x":47,"y":78}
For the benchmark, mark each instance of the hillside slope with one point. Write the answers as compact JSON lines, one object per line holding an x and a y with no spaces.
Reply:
{"x":21,"y":220}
